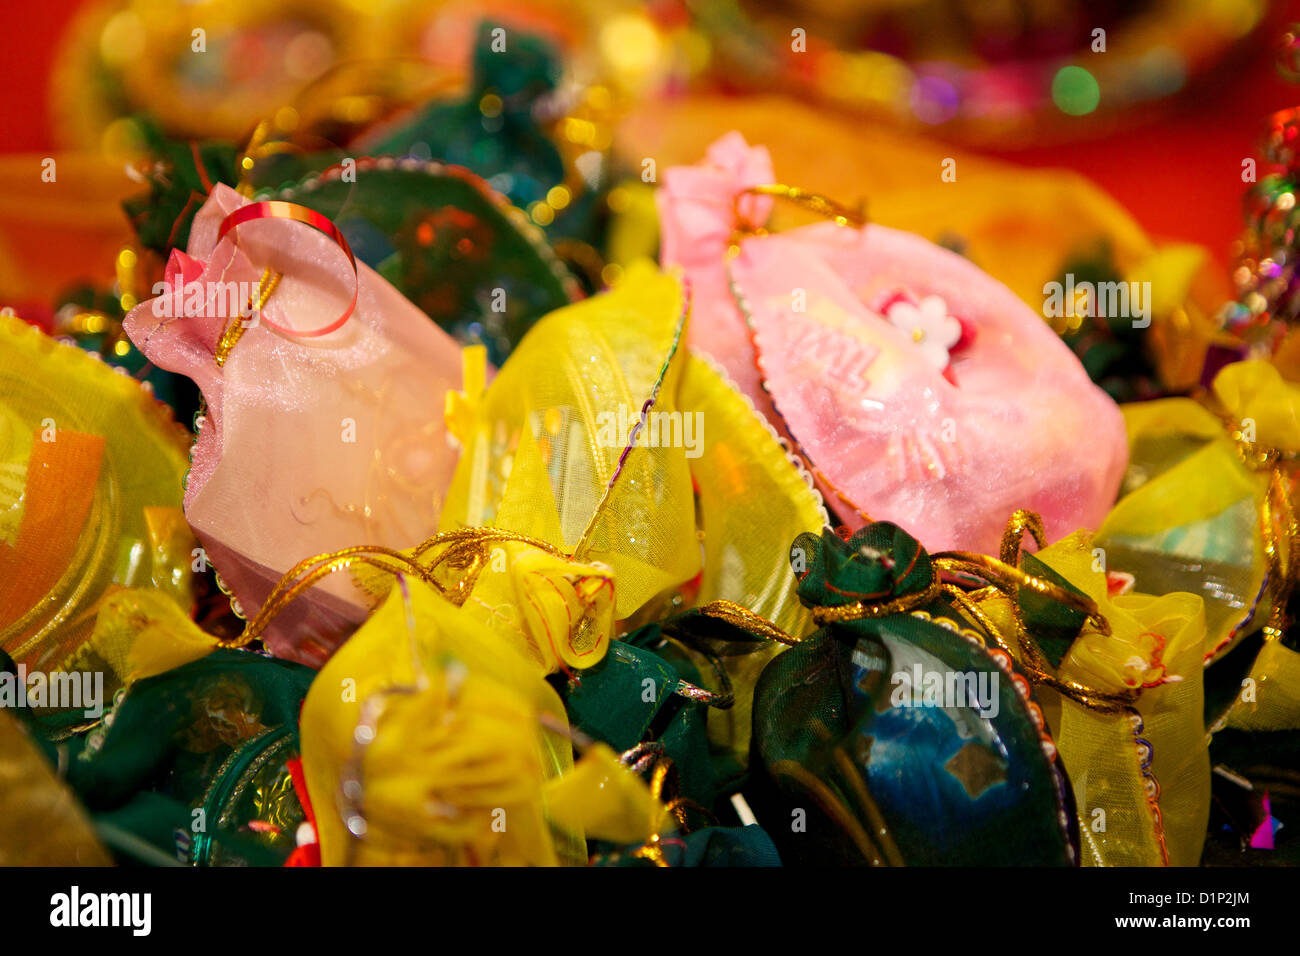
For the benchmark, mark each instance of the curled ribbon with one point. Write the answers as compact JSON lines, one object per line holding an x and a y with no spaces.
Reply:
{"x":279,"y":209}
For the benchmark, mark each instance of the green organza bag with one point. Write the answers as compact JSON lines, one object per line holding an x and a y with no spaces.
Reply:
{"x":646,"y":700}
{"x":193,"y":765}
{"x":899,"y":732}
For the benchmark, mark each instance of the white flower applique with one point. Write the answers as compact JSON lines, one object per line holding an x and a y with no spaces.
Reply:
{"x":929,"y":325}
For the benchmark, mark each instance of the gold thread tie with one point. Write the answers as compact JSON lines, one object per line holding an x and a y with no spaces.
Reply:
{"x":1007,"y":579}
{"x":836,"y":212}
{"x":256,"y":301}
{"x":742,"y":617}
{"x":1277,"y":521}
{"x":466,"y":551}
{"x":1021,"y":520}
{"x":862,"y":610}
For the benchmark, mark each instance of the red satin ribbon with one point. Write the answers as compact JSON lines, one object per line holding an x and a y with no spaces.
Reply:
{"x":279,"y":209}
{"x":309,"y":853}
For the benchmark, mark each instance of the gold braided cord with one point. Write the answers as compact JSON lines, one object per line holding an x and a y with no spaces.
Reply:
{"x":1034,"y":664}
{"x":678,"y":807}
{"x":745,"y":619}
{"x":641,"y":755}
{"x":1037,"y":668}
{"x":1100,"y":701}
{"x":468,"y":551}
{"x":1279,"y":548}
{"x":837,"y":212}
{"x":659,"y":778}
{"x":289,"y":587}
{"x":722,"y":699}
{"x":468,"y":548}
{"x":665,"y":777}
{"x":1277,"y":519}
{"x":652,"y":851}
{"x":1021,"y":520}
{"x":858,"y":610}
{"x":1007,"y":578}
{"x":235,"y":330}
{"x":965,"y":602}
{"x":1000,"y":577}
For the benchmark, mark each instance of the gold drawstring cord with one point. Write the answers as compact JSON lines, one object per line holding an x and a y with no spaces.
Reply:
{"x":1001,"y":576}
{"x":1008,"y":580}
{"x":745,"y":619}
{"x":837,"y":212}
{"x":663,"y":777}
{"x":1021,"y":520}
{"x":267,"y":284}
{"x":467,"y":550}
{"x":1278,"y":526}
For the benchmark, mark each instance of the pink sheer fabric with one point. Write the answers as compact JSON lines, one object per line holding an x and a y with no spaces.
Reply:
{"x":922,"y":389}
{"x":309,"y":444}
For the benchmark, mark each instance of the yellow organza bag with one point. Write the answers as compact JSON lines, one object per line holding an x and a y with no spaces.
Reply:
{"x":1205,"y":521}
{"x":430,"y":740}
{"x":1125,"y":706}
{"x":558,"y":524}
{"x":561,"y":522}
{"x":701,"y":506}
{"x":90,"y":496}
{"x":1201,"y":485}
{"x":1208,"y":508}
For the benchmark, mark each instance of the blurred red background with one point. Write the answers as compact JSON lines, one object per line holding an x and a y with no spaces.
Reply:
{"x":1179,"y":174}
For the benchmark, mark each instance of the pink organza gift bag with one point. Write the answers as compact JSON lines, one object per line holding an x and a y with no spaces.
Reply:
{"x":921,"y":389}
{"x":324,"y":423}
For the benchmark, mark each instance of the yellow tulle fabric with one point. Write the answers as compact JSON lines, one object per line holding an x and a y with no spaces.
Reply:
{"x":1191,"y":512}
{"x":1130,"y":815}
{"x":562,"y":611}
{"x":1211,"y":506}
{"x":558,"y":612}
{"x":1256,"y":391}
{"x":1270,"y":694}
{"x":716,"y":495}
{"x":428,"y":739}
{"x":726,"y":505}
{"x":753,"y":500}
{"x":555,"y":409}
{"x":624,"y":812}
{"x":140,"y":633}
{"x":91,"y":471}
